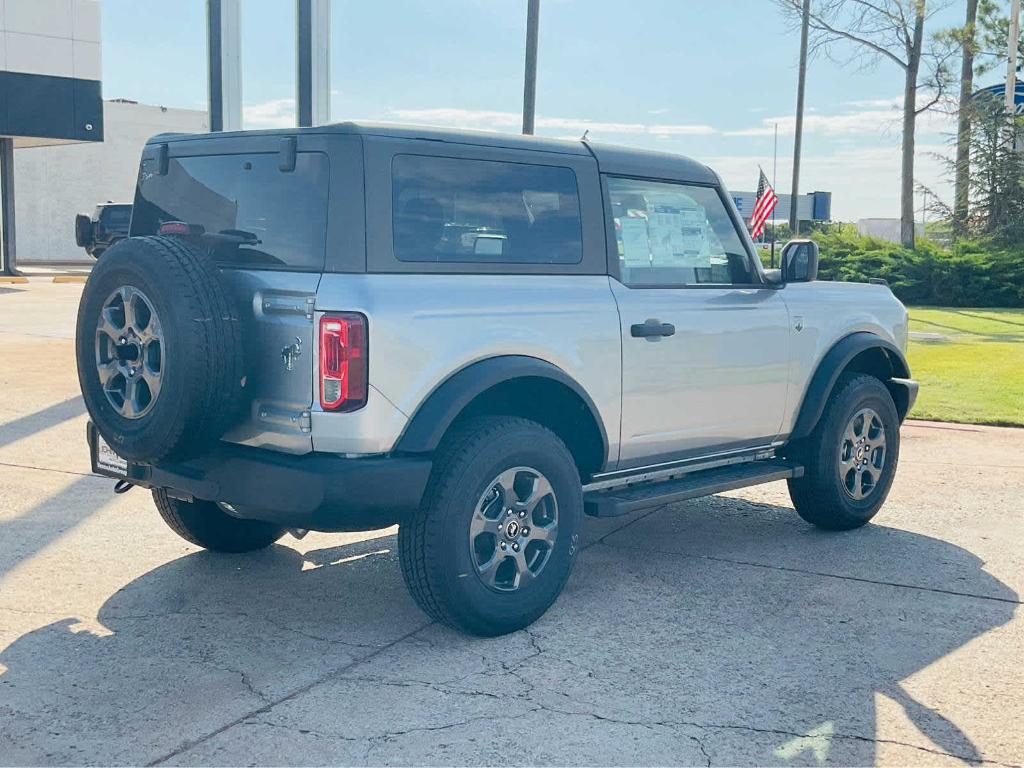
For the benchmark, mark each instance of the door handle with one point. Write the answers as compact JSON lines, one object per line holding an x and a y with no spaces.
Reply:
{"x":651,"y":329}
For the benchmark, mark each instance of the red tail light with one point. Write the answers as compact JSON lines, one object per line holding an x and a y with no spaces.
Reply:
{"x":174,"y":228}
{"x":344,"y":363}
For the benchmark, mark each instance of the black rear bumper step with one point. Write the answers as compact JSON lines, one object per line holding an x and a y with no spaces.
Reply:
{"x":622,"y":501}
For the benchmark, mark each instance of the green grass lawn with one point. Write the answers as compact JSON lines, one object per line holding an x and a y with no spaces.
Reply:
{"x":973,"y":369}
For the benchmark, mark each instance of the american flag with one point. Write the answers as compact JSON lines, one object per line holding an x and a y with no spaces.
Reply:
{"x":763,"y":208}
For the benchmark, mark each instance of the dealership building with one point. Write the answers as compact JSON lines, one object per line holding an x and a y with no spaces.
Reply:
{"x":813,"y":207}
{"x":56,"y":182}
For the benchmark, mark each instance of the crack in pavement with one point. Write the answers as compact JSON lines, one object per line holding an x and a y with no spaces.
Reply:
{"x":773,"y":731}
{"x":789,"y":569}
{"x":53,"y":469}
{"x":191,"y":743}
{"x":528,"y":692}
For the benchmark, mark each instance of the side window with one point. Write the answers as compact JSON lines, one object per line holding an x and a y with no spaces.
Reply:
{"x":484,"y":212}
{"x":244,"y":208}
{"x":675,"y":235}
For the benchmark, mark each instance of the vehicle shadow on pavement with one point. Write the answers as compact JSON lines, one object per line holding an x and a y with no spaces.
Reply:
{"x":36,"y":422}
{"x":682,"y":648}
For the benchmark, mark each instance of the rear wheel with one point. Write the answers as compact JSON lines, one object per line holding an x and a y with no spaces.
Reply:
{"x":205,"y":524}
{"x":498,"y":530}
{"x":850,"y":457}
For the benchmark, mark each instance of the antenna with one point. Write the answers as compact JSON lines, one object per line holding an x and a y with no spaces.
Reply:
{"x":585,"y":133}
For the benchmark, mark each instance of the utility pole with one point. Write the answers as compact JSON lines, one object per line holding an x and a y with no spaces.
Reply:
{"x":775,"y":179}
{"x":530,"y":79}
{"x":794,"y":221}
{"x":1011,"y":63}
{"x":313,"y":66}
{"x":224,"y":64}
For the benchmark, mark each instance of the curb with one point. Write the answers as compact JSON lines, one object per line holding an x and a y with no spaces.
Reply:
{"x":70,"y":279}
{"x":10,"y":279}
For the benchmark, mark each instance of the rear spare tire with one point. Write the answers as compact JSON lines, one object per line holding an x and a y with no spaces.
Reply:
{"x":159,"y":349}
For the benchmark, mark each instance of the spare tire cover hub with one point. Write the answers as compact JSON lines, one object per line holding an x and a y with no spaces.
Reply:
{"x":129,"y":352}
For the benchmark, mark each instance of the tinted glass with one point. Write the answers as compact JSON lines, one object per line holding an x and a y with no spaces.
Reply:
{"x":485,"y":212}
{"x":675,"y":234}
{"x":246,"y":210}
{"x":116,"y":218}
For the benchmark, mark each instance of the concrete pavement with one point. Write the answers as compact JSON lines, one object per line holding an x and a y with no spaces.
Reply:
{"x":723,"y":631}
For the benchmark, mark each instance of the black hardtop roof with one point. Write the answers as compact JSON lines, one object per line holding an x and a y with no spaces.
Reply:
{"x":611,"y":158}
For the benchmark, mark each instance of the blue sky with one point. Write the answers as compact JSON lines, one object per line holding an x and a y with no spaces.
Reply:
{"x":706,"y":78}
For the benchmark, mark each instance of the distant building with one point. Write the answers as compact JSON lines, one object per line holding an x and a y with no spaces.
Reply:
{"x":56,"y":182}
{"x":885,"y":229}
{"x":50,"y":92}
{"x":811,"y":207}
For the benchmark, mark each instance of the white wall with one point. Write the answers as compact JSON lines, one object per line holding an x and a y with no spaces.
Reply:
{"x":60,"y":38}
{"x":889,"y":230}
{"x":52,"y":184}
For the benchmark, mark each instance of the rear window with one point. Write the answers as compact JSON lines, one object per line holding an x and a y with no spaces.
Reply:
{"x":247,"y":210}
{"x":484,"y":212}
{"x":116,"y":218}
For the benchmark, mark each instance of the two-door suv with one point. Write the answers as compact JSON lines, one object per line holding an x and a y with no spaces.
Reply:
{"x":479,"y":337}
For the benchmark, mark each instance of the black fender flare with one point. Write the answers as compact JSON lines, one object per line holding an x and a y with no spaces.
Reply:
{"x":833,"y":364}
{"x":443,"y":405}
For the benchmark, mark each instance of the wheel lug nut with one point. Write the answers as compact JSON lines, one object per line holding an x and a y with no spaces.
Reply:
{"x":515,"y":547}
{"x":526,"y":531}
{"x":499,"y":526}
{"x":522,"y":513}
{"x":504,"y":545}
{"x":508,"y":512}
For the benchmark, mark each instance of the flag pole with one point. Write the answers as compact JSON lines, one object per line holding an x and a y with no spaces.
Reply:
{"x":775,"y":177}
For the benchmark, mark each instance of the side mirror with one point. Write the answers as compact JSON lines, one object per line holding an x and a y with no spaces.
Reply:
{"x":800,"y":261}
{"x":83,"y":231}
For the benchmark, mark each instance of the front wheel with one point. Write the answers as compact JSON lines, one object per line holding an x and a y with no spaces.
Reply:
{"x":850,"y":457}
{"x":497,"y":532}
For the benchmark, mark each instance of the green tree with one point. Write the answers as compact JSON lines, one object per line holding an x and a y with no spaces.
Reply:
{"x":997,"y":178}
{"x":892,"y":31}
{"x":993,"y":32}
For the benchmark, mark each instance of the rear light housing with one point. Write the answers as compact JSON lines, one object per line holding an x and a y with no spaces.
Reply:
{"x":174,"y":228}
{"x":344,"y":362}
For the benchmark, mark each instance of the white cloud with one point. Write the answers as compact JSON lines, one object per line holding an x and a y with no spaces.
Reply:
{"x":895,"y":101}
{"x":875,"y":116}
{"x":277,"y":113}
{"x":495,"y":120}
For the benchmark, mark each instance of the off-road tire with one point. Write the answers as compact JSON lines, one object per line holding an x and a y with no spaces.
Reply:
{"x":206,"y":525}
{"x":434,"y":544}
{"x":819,"y":496}
{"x":203,"y":357}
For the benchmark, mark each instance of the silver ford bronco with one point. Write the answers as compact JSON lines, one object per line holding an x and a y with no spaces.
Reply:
{"x":479,"y":337}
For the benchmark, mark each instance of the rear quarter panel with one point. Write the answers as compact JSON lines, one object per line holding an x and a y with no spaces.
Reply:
{"x":423,"y":328}
{"x":828,"y":312}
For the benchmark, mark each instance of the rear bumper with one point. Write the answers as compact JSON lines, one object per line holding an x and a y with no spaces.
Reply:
{"x":323,"y":492}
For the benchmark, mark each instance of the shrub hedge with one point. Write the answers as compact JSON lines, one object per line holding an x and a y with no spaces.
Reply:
{"x":970,"y":274}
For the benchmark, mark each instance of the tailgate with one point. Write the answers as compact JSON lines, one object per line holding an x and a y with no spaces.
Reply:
{"x":277,"y":319}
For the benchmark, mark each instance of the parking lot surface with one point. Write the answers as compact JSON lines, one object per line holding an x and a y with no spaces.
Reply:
{"x":723,"y":631}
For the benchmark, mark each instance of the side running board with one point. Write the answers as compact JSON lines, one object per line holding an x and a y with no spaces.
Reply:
{"x":623,"y":501}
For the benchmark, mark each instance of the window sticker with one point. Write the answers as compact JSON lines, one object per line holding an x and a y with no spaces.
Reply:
{"x":678,"y":233}
{"x":636,"y":249}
